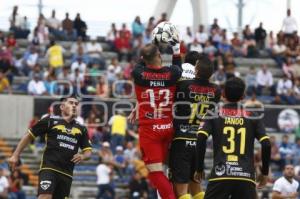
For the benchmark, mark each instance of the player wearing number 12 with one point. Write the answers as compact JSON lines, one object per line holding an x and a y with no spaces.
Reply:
{"x":154,"y":87}
{"x":234,"y":131}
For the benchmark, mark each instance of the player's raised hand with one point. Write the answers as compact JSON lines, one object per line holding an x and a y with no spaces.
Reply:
{"x":12,"y":162}
{"x":199,"y":176}
{"x":262,"y":181}
{"x":132,"y":116}
{"x":77,"y":158}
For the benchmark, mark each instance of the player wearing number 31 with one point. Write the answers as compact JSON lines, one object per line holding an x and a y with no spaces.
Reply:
{"x":154,"y":87}
{"x":233,"y":133}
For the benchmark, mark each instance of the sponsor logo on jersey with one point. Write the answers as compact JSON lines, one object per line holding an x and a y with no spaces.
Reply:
{"x":162,"y":126}
{"x":220,"y":170}
{"x":74,"y":131}
{"x":45,"y":184}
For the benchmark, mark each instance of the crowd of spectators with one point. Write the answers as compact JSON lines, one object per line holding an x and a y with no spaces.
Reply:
{"x":88,"y":71}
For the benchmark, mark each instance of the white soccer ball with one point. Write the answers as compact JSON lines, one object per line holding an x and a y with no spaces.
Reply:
{"x":166,"y":33}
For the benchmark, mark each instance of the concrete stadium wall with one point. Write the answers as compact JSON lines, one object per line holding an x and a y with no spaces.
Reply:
{"x":16,"y":111}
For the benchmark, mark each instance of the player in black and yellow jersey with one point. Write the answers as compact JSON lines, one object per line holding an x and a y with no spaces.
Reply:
{"x":193,"y":98}
{"x":64,"y":136}
{"x":234,"y":131}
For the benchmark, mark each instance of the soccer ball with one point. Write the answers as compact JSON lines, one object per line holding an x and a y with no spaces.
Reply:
{"x":165,"y":33}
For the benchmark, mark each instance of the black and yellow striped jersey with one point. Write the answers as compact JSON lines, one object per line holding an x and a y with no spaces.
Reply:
{"x":193,"y":99}
{"x":63,"y":140}
{"x":234,"y":132}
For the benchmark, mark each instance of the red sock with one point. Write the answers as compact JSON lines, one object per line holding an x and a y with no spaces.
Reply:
{"x":162,"y":184}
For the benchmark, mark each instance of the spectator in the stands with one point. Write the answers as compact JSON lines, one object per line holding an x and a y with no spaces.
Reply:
{"x":11,"y":41}
{"x":105,"y":187}
{"x":147,"y":37}
{"x":29,"y":60}
{"x":275,"y":154}
{"x":80,"y":65}
{"x":36,"y":86}
{"x":76,"y":78}
{"x":78,"y":44}
{"x":80,"y":27}
{"x":201,"y":35}
{"x":137,"y":27}
{"x":216,"y":37}
{"x":2,"y":37}
{"x":50,"y":84}
{"x":163,"y":17}
{"x":120,"y":161}
{"x":4,"y":185}
{"x":4,"y":83}
{"x":286,"y":186}
{"x":250,"y":81}
{"x":130,"y":152}
{"x":214,"y":26}
{"x":102,"y":89}
{"x":224,"y":46}
{"x":15,"y":19}
{"x":296,"y":68}
{"x":126,"y":32}
{"x":112,"y":71}
{"x":188,"y":37}
{"x":296,"y":149}
{"x":247,"y":33}
{"x":270,"y":41}
{"x":81,"y":53}
{"x":112,"y":35}
{"x":54,"y":26}
{"x":106,"y":154}
{"x":34,"y":38}
{"x":118,"y":123}
{"x":138,"y":187}
{"x":209,"y":49}
{"x":253,"y":102}
{"x":260,"y":35}
{"x":151,"y":24}
{"x":285,"y":90}
{"x":237,"y":45}
{"x":289,"y":24}
{"x":278,"y":53}
{"x":288,"y":68}
{"x":264,"y":79}
{"x":16,"y":184}
{"x":94,"y":51}
{"x":219,"y":77}
{"x":55,"y":56}
{"x":42,"y":29}
{"x":296,"y":90}
{"x":293,"y":50}
{"x":25,"y":25}
{"x":67,"y":27}
{"x":195,"y":46}
{"x":286,"y":150}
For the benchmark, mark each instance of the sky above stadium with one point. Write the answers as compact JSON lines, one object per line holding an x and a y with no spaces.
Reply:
{"x":100,"y":13}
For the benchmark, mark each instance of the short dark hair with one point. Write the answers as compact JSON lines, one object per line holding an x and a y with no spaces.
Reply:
{"x":234,"y":89}
{"x":64,"y":98}
{"x":149,"y":52}
{"x":192,"y":57}
{"x":204,"y":67}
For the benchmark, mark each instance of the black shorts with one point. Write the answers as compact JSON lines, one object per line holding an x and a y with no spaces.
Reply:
{"x":182,"y":162}
{"x":52,"y":182}
{"x":230,"y":189}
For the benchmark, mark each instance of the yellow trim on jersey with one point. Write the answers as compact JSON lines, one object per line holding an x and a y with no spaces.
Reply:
{"x":87,"y":148}
{"x":183,"y":138}
{"x":263,"y":138}
{"x":48,"y":168}
{"x":244,"y":179}
{"x":203,"y":132}
{"x":29,"y":131}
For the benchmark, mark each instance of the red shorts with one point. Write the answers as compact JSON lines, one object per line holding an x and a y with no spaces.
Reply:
{"x":154,"y":142}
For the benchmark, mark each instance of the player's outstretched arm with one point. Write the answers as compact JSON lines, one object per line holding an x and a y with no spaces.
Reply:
{"x":13,"y":160}
{"x":266,"y":156}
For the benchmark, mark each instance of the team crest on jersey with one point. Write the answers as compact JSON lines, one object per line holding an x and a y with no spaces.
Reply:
{"x":74,"y":131}
{"x":220,"y":170}
{"x":45,"y":184}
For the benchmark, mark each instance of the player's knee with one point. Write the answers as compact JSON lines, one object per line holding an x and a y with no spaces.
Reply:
{"x":181,"y":189}
{"x":45,"y":196}
{"x":155,"y":167}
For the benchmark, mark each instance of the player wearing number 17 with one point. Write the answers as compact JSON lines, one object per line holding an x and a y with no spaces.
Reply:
{"x":234,"y":131}
{"x":155,"y":86}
